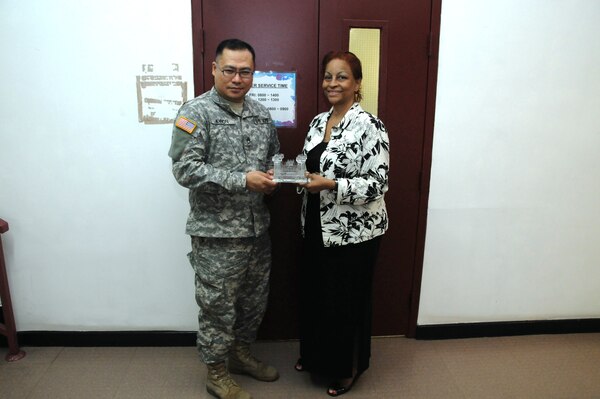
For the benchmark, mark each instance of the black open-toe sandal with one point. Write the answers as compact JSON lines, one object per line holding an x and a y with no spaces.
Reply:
{"x":298,"y":366}
{"x":337,"y":389}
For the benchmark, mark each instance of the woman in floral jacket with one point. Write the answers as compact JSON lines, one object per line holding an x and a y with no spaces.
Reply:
{"x":343,"y":219}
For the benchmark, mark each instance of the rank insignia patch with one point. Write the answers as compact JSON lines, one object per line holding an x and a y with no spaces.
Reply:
{"x":185,"y":124}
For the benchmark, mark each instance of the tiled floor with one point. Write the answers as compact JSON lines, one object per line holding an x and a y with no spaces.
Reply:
{"x":541,"y":366}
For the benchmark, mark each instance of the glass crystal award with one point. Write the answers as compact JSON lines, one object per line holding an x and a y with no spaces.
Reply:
{"x":289,"y":171}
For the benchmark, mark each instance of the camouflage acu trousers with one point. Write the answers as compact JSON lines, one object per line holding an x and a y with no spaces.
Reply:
{"x":232,"y":286}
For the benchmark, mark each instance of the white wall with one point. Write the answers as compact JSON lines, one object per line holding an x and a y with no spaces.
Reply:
{"x":96,"y":238}
{"x":514,"y":214}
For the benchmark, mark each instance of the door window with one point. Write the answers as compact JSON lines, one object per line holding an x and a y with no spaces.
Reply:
{"x":366,"y":44}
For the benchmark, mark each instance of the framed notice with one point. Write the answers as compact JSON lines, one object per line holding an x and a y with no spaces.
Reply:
{"x":161,"y":91}
{"x":277,"y":92}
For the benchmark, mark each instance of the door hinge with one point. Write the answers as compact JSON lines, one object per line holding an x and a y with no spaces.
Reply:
{"x":202,"y":41}
{"x":430,"y":45}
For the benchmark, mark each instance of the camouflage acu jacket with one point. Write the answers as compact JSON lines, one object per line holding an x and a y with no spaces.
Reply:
{"x":212,"y":149}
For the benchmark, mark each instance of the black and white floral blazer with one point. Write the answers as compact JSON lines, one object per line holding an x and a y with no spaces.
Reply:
{"x":357,"y":157}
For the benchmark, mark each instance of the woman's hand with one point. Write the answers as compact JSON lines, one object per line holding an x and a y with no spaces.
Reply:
{"x":317,"y":183}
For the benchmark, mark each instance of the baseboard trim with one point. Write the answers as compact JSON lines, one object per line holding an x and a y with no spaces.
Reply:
{"x":509,"y":328}
{"x":188,"y":338}
{"x":104,"y":338}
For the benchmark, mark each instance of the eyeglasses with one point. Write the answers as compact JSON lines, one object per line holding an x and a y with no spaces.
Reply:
{"x":230,"y":73}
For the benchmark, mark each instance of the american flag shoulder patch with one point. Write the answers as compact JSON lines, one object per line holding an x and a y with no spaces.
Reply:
{"x":185,"y":124}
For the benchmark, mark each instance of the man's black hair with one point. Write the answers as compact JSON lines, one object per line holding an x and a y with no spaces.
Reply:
{"x":234,"y":44}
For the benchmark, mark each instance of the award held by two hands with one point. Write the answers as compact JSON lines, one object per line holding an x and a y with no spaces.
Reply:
{"x":289,"y":171}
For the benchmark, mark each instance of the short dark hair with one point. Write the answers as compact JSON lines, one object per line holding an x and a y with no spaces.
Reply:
{"x":352,"y":60}
{"x":235,"y":44}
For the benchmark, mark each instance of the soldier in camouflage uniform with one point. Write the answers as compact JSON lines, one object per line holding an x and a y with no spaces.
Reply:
{"x":221,"y":144}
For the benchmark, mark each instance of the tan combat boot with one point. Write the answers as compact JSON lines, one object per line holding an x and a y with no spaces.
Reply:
{"x":241,"y":361}
{"x":220,"y":384}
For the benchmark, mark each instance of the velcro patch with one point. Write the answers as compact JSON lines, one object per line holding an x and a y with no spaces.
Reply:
{"x":185,"y":124}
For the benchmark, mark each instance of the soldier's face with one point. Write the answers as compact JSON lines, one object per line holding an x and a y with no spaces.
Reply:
{"x":230,"y":71}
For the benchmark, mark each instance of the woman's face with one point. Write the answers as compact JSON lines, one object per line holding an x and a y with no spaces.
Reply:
{"x":339,"y":84}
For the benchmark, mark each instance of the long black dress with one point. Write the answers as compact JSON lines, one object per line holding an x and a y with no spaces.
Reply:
{"x":335,"y":296}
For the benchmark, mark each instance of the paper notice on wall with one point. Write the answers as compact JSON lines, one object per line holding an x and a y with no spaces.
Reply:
{"x":161,"y":92}
{"x":277,"y":92}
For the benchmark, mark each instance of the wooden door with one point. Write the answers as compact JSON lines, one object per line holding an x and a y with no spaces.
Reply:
{"x":406,"y":56}
{"x":294,"y":36}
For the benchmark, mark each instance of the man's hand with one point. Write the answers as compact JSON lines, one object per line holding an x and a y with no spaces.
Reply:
{"x":260,"y":182}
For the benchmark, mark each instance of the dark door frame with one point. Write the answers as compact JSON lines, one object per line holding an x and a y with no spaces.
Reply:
{"x":432,"y":72}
